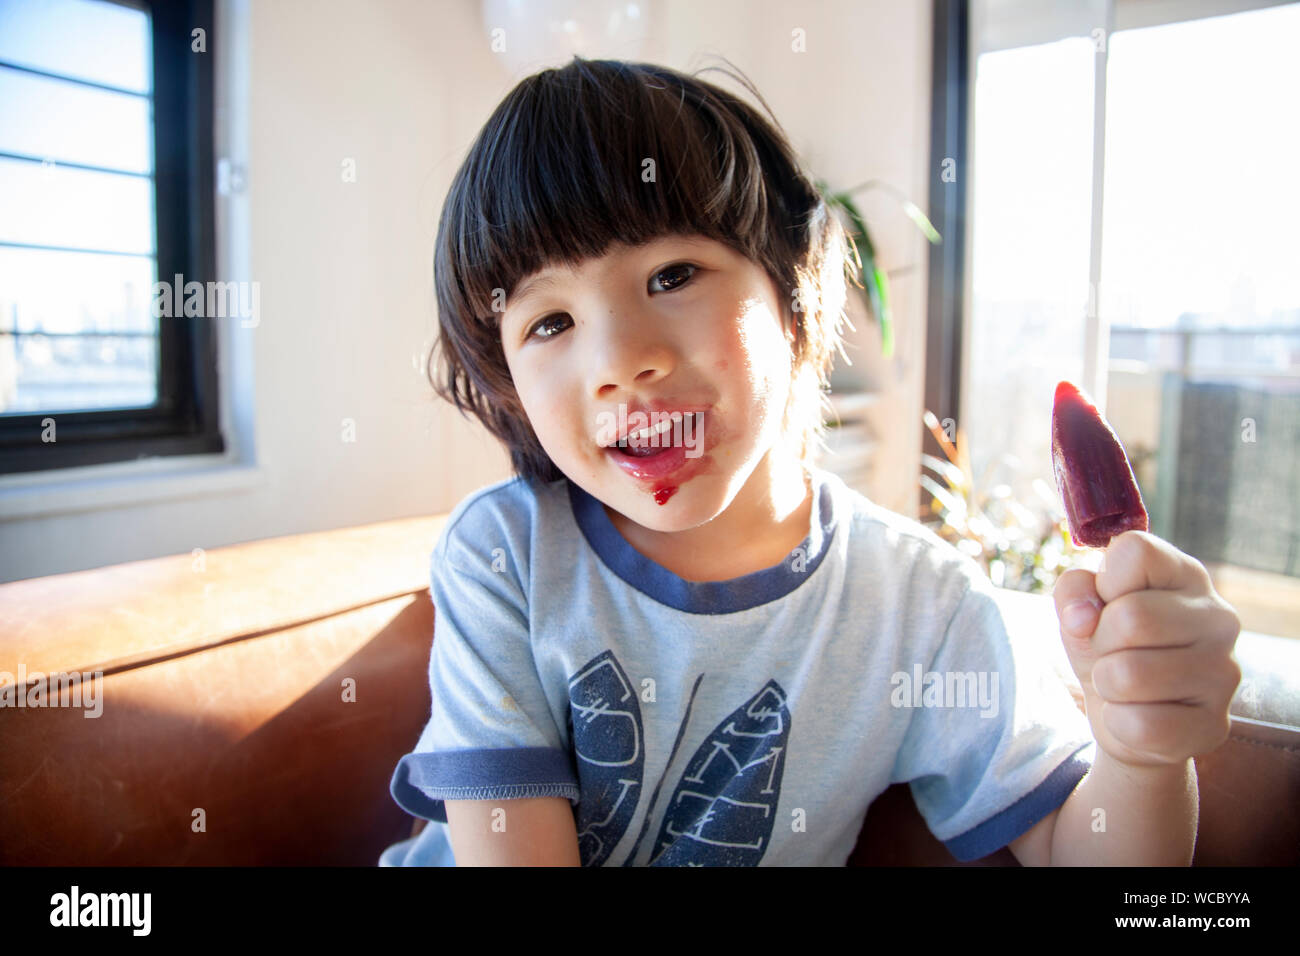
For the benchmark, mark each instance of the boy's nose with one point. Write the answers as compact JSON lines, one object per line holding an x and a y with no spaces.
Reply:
{"x":629,"y":361}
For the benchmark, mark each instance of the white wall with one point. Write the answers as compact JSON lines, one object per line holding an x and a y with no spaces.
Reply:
{"x":345,"y":269}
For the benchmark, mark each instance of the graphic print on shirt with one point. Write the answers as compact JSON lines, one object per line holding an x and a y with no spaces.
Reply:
{"x":605,"y":727}
{"x":724,"y":806}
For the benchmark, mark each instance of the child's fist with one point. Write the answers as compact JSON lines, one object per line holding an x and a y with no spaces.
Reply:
{"x":1156,"y":664}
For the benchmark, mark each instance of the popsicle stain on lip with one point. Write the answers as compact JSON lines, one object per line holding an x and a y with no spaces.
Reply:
{"x":1092,"y":471}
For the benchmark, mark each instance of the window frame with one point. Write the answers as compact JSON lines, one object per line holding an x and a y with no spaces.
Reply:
{"x":185,"y":420}
{"x":948,"y":274}
{"x":950,"y":127}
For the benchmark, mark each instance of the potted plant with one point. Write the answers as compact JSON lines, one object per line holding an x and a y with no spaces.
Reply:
{"x":870,"y":276}
{"x":851,"y":444}
{"x":1017,"y":548}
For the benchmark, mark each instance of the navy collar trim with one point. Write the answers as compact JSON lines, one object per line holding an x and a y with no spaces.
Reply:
{"x":707,"y":597}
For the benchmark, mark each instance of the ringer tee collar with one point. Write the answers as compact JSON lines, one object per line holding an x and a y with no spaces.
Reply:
{"x":707,"y":597}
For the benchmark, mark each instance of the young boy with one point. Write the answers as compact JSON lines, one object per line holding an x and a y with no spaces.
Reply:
{"x":701,"y":649}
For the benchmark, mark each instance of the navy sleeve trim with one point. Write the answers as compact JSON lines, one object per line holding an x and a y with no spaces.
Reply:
{"x":995,"y":833}
{"x":423,"y":781}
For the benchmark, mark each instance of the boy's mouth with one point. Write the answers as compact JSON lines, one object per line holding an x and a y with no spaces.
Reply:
{"x":669,"y":428}
{"x":674,"y":455}
{"x":655,"y":439}
{"x":649,"y":451}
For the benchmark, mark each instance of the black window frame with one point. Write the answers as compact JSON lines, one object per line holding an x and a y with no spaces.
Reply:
{"x":185,"y":420}
{"x":949,"y":108}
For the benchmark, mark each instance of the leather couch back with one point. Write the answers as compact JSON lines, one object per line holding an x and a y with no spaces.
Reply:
{"x":271,"y":685}
{"x":255,"y":699}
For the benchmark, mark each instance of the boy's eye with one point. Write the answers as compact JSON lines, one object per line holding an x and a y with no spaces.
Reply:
{"x":676,"y":269}
{"x":546,"y":323}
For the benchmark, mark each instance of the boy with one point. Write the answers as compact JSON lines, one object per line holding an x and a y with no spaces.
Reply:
{"x":697,"y":649}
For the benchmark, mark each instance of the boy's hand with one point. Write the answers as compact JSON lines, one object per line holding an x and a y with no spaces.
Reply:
{"x":1156,"y":665}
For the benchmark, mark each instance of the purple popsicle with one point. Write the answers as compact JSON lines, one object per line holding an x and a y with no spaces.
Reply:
{"x":1093,"y":474}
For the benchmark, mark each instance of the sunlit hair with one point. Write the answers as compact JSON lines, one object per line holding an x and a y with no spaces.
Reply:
{"x":556,"y":177}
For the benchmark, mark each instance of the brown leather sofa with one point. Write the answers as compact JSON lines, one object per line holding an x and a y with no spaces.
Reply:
{"x":256,"y":698}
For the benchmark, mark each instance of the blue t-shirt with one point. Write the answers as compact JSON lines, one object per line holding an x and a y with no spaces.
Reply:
{"x":743,"y":722}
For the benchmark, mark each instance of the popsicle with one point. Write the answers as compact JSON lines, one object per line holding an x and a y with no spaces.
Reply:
{"x":1092,"y":472}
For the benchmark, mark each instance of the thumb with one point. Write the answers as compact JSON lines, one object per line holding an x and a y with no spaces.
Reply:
{"x":1078,"y":608}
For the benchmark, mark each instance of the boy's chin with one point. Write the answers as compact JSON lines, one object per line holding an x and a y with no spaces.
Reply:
{"x":681,"y":510}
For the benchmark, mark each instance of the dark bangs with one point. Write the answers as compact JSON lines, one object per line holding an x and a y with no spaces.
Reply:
{"x":599,"y":152}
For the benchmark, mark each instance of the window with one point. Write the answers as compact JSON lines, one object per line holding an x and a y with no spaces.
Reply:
{"x":106,"y":182}
{"x":1132,"y":228}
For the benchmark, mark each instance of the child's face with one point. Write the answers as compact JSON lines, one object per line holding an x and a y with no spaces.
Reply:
{"x":683,"y":321}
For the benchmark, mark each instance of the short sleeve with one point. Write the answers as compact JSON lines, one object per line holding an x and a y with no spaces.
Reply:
{"x":491,"y":733}
{"x":995,"y":742}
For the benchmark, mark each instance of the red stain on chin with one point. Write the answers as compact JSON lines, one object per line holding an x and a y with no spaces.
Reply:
{"x":663,"y":493}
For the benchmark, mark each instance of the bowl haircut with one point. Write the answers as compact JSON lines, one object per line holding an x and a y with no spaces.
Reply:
{"x":598,"y":152}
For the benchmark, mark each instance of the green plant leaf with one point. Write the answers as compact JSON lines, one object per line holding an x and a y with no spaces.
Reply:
{"x":914,"y":213}
{"x":955,"y":506}
{"x":886,"y":319}
{"x":872,"y":277}
{"x":950,"y":472}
